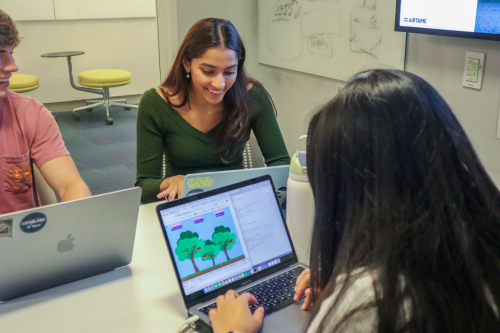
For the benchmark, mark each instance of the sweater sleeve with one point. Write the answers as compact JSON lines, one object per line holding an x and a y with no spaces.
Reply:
{"x":266,"y":129}
{"x":149,"y":149}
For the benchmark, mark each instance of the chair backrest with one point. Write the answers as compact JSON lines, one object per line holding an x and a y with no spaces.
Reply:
{"x":45,"y":193}
{"x":252,"y":156}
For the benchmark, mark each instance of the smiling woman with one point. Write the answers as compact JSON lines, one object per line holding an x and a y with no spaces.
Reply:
{"x":202,"y":114}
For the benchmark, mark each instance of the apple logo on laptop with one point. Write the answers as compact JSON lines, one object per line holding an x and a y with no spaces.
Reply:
{"x":66,"y":244}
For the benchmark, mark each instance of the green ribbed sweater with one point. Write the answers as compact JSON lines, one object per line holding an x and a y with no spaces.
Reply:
{"x":160,"y":129}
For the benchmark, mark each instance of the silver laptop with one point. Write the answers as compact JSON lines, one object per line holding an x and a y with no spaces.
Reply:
{"x":200,"y":182}
{"x":48,"y":246}
{"x":235,"y":237}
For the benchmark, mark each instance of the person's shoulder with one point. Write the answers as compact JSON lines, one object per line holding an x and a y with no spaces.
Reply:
{"x":256,"y":89}
{"x":23,"y":103}
{"x":359,"y":293}
{"x":151,"y":93}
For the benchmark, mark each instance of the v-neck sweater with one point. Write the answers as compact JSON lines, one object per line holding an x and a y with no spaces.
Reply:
{"x":161,"y":130}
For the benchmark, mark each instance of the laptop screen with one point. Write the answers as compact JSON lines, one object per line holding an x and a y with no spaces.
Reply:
{"x":220,"y":239}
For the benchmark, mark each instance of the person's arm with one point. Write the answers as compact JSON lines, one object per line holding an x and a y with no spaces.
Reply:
{"x":149,"y":148}
{"x":50,"y":155}
{"x":63,"y":178}
{"x":266,"y":129}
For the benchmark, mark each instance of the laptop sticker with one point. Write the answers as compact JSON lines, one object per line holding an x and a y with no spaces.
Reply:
{"x":6,"y":228}
{"x":200,"y":182}
{"x":34,"y":222}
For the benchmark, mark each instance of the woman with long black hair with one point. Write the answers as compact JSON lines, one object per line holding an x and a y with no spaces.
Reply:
{"x":406,"y":231}
{"x":202,"y":114}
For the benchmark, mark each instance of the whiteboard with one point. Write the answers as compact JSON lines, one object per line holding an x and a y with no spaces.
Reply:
{"x":331,"y":38}
{"x":28,"y":10}
{"x":103,"y":9}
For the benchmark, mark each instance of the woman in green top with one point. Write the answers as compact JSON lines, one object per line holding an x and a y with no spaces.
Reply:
{"x":202,"y":114}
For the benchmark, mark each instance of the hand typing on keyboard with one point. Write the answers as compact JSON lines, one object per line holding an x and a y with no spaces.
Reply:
{"x":302,"y":288}
{"x":233,"y":314}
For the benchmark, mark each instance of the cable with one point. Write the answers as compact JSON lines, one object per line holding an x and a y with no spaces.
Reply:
{"x":189,"y":324}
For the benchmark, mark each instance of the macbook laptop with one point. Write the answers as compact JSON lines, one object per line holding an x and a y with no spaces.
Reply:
{"x":235,"y":237}
{"x":200,"y":182}
{"x":47,"y":246}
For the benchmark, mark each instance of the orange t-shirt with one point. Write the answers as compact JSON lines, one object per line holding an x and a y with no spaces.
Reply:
{"x":28,"y":134}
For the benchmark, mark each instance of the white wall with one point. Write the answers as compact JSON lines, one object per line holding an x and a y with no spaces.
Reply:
{"x":128,"y":44}
{"x":439,"y":60}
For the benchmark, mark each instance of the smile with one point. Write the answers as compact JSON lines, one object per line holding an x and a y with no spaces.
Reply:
{"x":4,"y":80}
{"x":215,"y":92}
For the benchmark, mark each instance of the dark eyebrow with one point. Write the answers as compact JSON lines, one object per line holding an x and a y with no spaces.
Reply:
{"x":2,"y":51}
{"x":212,"y":66}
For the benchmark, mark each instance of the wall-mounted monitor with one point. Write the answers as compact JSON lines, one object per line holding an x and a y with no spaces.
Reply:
{"x":478,"y":19}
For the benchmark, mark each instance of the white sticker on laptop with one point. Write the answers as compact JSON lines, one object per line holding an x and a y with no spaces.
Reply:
{"x":6,"y":228}
{"x":33,"y":222}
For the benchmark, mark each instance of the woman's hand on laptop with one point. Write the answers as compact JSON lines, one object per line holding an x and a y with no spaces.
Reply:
{"x":171,"y":187}
{"x":302,"y":286}
{"x":233,"y":314}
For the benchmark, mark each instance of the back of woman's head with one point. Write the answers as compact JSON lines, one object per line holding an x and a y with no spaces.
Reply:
{"x":400,"y":191}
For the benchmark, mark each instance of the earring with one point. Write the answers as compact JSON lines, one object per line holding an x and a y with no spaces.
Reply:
{"x":188,"y":75}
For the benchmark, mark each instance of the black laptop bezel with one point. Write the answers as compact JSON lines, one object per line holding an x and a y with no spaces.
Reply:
{"x":244,"y":281}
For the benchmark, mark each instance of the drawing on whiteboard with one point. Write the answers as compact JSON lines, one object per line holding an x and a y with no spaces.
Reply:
{"x":288,"y":25}
{"x":283,"y":32}
{"x":332,"y":38}
{"x":370,"y":4}
{"x":365,"y":35}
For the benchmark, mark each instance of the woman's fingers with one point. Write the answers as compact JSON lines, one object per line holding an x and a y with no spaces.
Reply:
{"x":173,"y":192}
{"x":173,"y":188}
{"x":302,"y":284}
{"x":307,"y":300}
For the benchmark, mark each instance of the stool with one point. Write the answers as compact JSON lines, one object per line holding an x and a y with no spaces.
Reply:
{"x":104,"y":79}
{"x":98,"y":82}
{"x":20,"y":83}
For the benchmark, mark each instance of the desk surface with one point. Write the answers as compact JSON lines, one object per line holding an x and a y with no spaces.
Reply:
{"x":143,"y":297}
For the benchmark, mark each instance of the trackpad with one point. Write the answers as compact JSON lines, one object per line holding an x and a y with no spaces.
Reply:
{"x":290,"y":319}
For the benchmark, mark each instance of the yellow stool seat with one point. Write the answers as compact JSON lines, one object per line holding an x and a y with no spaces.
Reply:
{"x":23,"y":82}
{"x":104,"y":78}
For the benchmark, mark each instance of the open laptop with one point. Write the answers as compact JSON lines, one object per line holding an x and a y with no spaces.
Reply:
{"x":200,"y":182}
{"x":48,"y":246}
{"x":235,"y":237}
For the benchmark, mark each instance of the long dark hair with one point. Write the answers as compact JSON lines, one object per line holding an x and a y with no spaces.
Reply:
{"x":203,"y":35}
{"x":400,"y":191}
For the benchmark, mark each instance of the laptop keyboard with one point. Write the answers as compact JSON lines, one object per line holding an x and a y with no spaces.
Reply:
{"x":273,"y":294}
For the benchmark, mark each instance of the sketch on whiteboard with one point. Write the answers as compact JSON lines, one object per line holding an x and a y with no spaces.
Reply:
{"x":283,"y":33}
{"x":333,"y":38}
{"x":289,"y":25}
{"x":370,"y":4}
{"x":365,"y":35}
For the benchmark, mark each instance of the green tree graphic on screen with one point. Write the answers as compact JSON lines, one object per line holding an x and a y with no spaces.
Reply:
{"x":224,"y":239}
{"x":210,"y":251}
{"x":189,"y":247}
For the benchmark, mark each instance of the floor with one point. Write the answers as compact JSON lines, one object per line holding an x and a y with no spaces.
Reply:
{"x":104,"y":155}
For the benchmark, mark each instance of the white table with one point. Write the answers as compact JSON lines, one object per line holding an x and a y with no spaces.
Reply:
{"x":143,"y":297}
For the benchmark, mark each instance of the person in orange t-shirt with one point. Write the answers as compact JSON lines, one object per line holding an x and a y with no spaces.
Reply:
{"x":29,"y":135}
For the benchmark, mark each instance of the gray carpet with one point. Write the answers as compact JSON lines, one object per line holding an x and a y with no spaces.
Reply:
{"x":104,"y":155}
